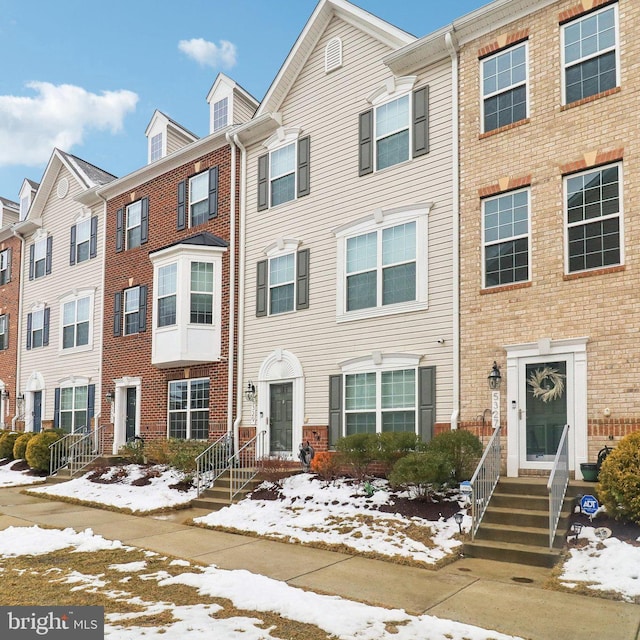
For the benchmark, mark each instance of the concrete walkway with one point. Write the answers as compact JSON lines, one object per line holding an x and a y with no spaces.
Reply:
{"x":493,"y":595}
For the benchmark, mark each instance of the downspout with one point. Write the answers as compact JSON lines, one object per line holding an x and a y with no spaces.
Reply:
{"x":455,"y":122}
{"x":98,"y":414}
{"x":239,"y":386}
{"x":16,"y":417}
{"x":232,"y":289}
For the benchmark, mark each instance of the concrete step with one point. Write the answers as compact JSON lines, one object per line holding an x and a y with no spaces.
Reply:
{"x":512,"y":534}
{"x":517,"y":553}
{"x":519,"y":501}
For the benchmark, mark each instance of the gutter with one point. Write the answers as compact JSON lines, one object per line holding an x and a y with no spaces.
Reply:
{"x":17,"y":416}
{"x":455,"y":124}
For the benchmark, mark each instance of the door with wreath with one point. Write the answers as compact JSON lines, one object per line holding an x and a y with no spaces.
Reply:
{"x":545,"y":386}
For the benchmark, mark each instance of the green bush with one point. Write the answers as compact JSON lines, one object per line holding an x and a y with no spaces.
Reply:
{"x":619,"y":480}
{"x":393,"y":445}
{"x":175,"y":452}
{"x":7,"y":441}
{"x":37,"y":454}
{"x":358,"y":451}
{"x":425,"y":471}
{"x":20,"y":445}
{"x":133,"y":451}
{"x":461,"y":448}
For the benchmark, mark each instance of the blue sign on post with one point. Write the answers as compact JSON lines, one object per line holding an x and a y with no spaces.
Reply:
{"x":589,"y":505}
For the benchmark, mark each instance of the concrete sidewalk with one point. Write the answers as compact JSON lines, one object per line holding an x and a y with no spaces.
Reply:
{"x":493,"y":595}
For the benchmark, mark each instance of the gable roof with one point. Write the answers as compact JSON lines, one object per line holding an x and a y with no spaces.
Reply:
{"x":9,"y":204}
{"x":308,"y":38}
{"x":223,"y":78}
{"x":202,"y":239}
{"x":170,"y":123}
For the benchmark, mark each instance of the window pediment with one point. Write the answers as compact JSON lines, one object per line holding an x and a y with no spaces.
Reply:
{"x":392,"y":88}
{"x":283,"y":136}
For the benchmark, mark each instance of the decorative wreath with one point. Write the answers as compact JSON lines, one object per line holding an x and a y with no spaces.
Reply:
{"x":547,"y":384}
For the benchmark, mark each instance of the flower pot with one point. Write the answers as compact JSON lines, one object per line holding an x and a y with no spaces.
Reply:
{"x":589,"y":471}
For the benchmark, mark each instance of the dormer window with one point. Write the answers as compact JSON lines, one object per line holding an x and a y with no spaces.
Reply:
{"x":220,"y":114}
{"x":156,"y":147}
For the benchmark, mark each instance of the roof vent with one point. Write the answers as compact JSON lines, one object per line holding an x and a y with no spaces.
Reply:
{"x":333,"y":55}
{"x":63,"y":188}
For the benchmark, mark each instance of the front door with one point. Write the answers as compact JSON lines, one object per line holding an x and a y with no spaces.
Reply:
{"x":281,"y":418}
{"x":37,"y":411}
{"x":545,"y":393}
{"x":130,"y":415}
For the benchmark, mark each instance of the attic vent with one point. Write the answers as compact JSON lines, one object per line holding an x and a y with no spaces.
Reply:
{"x":63,"y":188}
{"x":333,"y":55}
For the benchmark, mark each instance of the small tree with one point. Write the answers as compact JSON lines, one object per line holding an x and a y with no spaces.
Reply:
{"x":461,"y":448}
{"x":619,"y":480}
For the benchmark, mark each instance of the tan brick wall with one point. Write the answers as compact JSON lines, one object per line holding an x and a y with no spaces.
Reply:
{"x":602,"y":305}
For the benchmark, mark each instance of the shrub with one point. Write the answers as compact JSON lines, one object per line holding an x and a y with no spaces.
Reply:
{"x":619,"y":480}
{"x":393,"y":445}
{"x":425,"y":471}
{"x":358,"y":451}
{"x":133,"y":451}
{"x":461,"y":448}
{"x":37,"y":454}
{"x":7,"y":441}
{"x":20,"y":445}
{"x":175,"y":452}
{"x":326,"y":465}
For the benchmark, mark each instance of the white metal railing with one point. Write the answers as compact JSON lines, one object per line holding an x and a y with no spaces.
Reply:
{"x":85,"y":449}
{"x":59,"y":450}
{"x":558,"y":482}
{"x":484,"y":480}
{"x":243,"y":465}
{"x":213,"y":462}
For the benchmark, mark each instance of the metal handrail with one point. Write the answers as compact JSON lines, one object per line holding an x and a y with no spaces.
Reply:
{"x":213,"y":462}
{"x":59,"y":452}
{"x":484,"y":480}
{"x":84,"y":450}
{"x":242,"y":465}
{"x":558,"y":482}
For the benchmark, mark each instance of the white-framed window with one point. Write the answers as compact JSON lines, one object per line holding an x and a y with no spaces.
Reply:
{"x":220,"y":114}
{"x":590,"y":55}
{"x":131,"y":310}
{"x":189,"y":409}
{"x":36,"y":330}
{"x":199,"y":199}
{"x":73,"y":408}
{"x":282,"y":283}
{"x":134,"y":224}
{"x":83,"y":240}
{"x":504,"y":87}
{"x":201,"y":302}
{"x":5,"y":266}
{"x":39,"y":258}
{"x":505,"y":230}
{"x":593,"y":206}
{"x":282,"y":174}
{"x":382,"y":264}
{"x":76,"y":323}
{"x":392,"y":132}
{"x":156,"y":146}
{"x":4,"y":332}
{"x":166,"y":295}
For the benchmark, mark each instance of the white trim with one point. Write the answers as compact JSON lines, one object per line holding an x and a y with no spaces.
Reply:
{"x":333,"y":55}
{"x":392,"y":89}
{"x":281,"y":246}
{"x":282,"y":137}
{"x":120,"y":407}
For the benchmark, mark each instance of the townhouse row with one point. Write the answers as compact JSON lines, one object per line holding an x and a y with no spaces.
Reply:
{"x":355,"y":251}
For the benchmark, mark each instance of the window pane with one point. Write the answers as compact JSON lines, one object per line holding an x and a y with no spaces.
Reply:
{"x":392,"y":117}
{"x":398,"y":389}
{"x":132,"y":299}
{"x":281,"y":299}
{"x":178,"y":425}
{"x":68,"y":337}
{"x":166,"y":311}
{"x":81,"y":395}
{"x":82,"y":336}
{"x":362,"y":252}
{"x":360,"y":423}
{"x":201,"y":308}
{"x":399,"y":243}
{"x":591,"y":77}
{"x":362,"y":291}
{"x":83,"y":309}
{"x":392,"y":150}
{"x":167,"y":280}
{"x":360,"y":391}
{"x":177,"y":395}
{"x":283,"y":161}
{"x":200,"y":394}
{"x":69,"y":313}
{"x":283,"y":189}
{"x":202,"y":277}
{"x":399,"y":283}
{"x":399,"y":421}
{"x":281,"y":269}
{"x":199,"y":198}
{"x":66,"y":399}
{"x":199,"y":425}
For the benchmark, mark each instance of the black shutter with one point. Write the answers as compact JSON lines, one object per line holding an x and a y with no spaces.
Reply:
{"x":9,"y":256}
{"x":6,"y":331}
{"x":144,"y":220}
{"x":29,"y":325}
{"x":47,"y":264}
{"x":304,"y":148}
{"x":56,"y":408}
{"x":182,"y":205}
{"x":45,"y":328}
{"x":335,"y":410}
{"x":365,"y":143}
{"x":263,"y":182}
{"x":120,"y":230}
{"x":93,"y":240}
{"x":72,"y":249}
{"x":91,"y":403}
{"x":420,"y":122}
{"x":302,"y":279}
{"x":213,"y":192}
{"x":117,"y":313}
{"x":426,"y":402}
{"x":142,"y":309}
{"x":261,"y":288}
{"x":32,"y":249}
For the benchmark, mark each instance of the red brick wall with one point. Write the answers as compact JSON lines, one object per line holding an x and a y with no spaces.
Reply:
{"x":131,"y":355}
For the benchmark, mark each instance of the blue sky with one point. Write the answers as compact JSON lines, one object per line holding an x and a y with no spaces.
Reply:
{"x":87,"y":77}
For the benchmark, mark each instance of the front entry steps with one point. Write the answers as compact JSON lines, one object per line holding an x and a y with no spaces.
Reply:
{"x":515,"y":527}
{"x":219,"y":495}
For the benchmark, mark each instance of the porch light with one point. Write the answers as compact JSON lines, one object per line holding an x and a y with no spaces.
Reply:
{"x":5,"y":394}
{"x":494,"y":378}
{"x":458,"y":517}
{"x":110,"y":397}
{"x":20,"y":397}
{"x":250,"y":392}
{"x":576,"y":528}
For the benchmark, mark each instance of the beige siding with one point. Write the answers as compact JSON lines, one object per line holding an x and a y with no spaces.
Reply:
{"x":57,"y":218}
{"x":326,"y":107}
{"x":242,"y":112}
{"x":176,"y":141}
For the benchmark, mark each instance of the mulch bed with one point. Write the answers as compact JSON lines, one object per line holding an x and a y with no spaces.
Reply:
{"x":625,"y":531}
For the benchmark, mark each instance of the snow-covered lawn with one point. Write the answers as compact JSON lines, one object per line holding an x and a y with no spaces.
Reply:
{"x":13,"y":476}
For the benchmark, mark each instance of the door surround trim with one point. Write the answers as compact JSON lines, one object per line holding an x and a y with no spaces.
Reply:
{"x":119,"y":409}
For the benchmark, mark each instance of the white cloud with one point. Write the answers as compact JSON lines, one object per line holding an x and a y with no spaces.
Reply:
{"x":209,"y":54}
{"x":57,"y":116}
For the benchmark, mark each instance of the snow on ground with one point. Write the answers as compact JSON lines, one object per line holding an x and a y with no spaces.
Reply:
{"x":339,"y":513}
{"x":10,"y":477}
{"x":345,"y":619}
